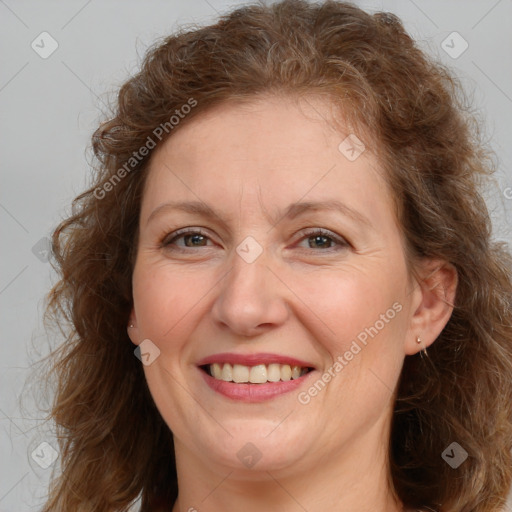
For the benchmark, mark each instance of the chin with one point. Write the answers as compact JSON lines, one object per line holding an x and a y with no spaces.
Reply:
{"x":248,"y":446}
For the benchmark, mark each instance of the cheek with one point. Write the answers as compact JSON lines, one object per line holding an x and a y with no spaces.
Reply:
{"x":336,"y":305}
{"x":352,"y":302}
{"x":366,"y":318}
{"x":165,"y":300}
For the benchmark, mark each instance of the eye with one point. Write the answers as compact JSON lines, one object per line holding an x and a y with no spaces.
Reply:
{"x":323,"y":239}
{"x":317,"y":238}
{"x":186,"y":237}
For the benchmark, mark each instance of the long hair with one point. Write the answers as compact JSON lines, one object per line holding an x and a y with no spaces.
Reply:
{"x":114,"y":445}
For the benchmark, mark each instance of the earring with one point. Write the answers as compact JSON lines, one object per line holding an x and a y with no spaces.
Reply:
{"x":131,"y":326}
{"x":423,"y":351}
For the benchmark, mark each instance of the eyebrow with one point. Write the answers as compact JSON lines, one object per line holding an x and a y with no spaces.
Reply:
{"x":292,"y":211}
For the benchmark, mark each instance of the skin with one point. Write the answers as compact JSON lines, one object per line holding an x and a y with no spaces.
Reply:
{"x":302,"y":297}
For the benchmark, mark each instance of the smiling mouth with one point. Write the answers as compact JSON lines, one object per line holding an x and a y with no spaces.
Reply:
{"x":258,"y":374}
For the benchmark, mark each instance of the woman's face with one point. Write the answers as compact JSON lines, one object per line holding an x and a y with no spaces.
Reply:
{"x":269,"y":253}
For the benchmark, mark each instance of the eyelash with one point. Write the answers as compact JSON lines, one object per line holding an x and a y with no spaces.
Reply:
{"x":306,"y":234}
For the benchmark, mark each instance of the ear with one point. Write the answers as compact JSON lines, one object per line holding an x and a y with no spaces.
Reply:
{"x":133,"y":331}
{"x":433,"y":303}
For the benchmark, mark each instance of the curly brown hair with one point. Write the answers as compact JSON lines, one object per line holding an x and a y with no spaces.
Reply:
{"x":115,"y":447}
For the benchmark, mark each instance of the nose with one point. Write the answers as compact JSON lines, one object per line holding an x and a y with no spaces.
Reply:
{"x":251,"y":299}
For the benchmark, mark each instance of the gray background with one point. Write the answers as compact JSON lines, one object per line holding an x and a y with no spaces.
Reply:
{"x":51,"y":106}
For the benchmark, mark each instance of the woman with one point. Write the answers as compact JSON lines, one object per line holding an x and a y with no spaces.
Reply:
{"x":286,"y":226}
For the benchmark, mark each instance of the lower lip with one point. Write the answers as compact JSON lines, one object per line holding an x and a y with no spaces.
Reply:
{"x":252,"y":392}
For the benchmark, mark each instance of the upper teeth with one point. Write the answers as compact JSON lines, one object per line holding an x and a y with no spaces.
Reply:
{"x":258,"y":374}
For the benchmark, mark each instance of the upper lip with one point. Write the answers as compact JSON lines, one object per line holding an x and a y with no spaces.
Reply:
{"x":253,"y":359}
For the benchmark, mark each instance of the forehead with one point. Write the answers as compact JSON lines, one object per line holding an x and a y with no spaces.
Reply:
{"x":276,"y":149}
